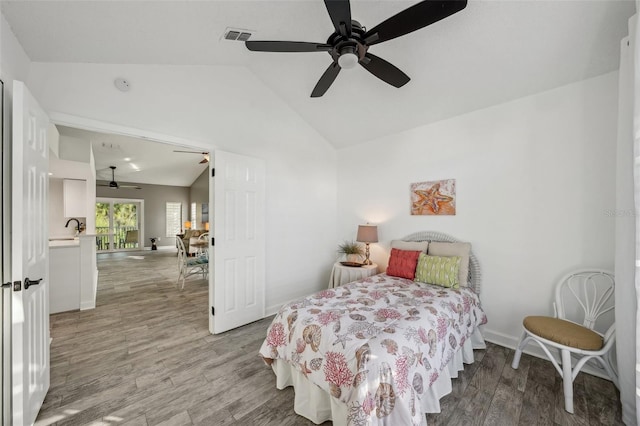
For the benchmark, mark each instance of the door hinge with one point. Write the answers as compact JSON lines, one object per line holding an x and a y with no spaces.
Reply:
{"x":213,"y":310}
{"x":213,"y":242}
{"x":213,"y":172}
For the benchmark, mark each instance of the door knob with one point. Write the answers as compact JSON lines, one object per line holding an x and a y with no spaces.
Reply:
{"x":28,"y":283}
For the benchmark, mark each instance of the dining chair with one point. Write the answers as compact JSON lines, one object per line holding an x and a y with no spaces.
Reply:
{"x":131,"y":237}
{"x":203,"y":249}
{"x":581,"y":300}
{"x":188,"y":266}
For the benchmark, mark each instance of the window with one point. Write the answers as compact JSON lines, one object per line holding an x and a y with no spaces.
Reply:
{"x":174,"y":219}
{"x":193,"y":214}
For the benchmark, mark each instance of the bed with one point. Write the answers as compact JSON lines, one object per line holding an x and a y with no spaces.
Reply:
{"x":378,"y":351}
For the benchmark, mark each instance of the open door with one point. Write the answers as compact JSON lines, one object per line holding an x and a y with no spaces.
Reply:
{"x":29,"y":257}
{"x":237,"y":260}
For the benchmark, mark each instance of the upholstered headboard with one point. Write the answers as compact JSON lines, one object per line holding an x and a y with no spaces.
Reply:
{"x":475,"y":274}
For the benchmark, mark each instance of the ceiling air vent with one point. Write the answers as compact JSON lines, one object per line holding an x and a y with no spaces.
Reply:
{"x":236,"y":34}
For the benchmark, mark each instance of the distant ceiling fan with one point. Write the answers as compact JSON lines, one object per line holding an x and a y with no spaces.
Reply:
{"x":350,"y":42}
{"x":205,"y":155}
{"x":115,"y":185}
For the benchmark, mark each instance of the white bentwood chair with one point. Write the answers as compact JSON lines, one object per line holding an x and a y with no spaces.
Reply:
{"x":203,"y":250}
{"x":188,"y":266}
{"x":585,"y":296}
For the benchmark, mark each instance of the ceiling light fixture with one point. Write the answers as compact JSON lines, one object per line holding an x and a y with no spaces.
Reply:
{"x":127,"y":159}
{"x":348,"y":58}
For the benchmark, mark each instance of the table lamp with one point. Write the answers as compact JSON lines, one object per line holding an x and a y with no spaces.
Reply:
{"x":367,"y":234}
{"x":187,"y":225}
{"x":206,"y":226}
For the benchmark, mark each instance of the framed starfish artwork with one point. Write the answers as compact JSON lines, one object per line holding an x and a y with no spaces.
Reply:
{"x":434,"y":198}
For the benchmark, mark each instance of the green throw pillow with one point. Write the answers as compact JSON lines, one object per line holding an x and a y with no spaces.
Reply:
{"x":438,"y":270}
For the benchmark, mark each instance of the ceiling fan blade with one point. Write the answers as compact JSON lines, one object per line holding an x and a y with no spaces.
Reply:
{"x":286,"y":46}
{"x":417,"y":16}
{"x":192,"y":152}
{"x":129,"y":186}
{"x":340,"y":14}
{"x":326,"y":80}
{"x":384,"y":70}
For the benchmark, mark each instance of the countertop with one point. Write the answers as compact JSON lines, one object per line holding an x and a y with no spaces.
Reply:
{"x":64,"y":243}
{"x":67,"y":240}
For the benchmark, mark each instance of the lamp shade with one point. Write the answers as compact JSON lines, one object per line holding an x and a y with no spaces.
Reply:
{"x":187,"y":224}
{"x":206,"y":226}
{"x":367,"y":234}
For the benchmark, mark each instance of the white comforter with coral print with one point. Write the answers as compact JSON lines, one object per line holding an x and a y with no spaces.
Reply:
{"x":375,"y":344}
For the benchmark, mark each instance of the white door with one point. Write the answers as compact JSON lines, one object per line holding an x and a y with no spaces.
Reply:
{"x":237,"y":279}
{"x":29,"y":250}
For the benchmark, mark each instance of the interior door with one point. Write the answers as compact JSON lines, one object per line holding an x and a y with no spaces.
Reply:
{"x":29,"y":251}
{"x":237,"y":282}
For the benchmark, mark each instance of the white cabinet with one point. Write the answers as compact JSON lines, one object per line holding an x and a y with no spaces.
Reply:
{"x":73,"y":274}
{"x":64,"y":278}
{"x":75,"y":197}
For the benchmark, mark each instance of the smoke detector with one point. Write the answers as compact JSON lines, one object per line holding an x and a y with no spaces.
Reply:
{"x":122,"y":84}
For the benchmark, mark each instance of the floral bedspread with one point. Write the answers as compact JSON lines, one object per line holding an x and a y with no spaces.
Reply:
{"x":375,"y":344}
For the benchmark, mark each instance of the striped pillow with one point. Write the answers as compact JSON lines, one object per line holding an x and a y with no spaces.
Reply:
{"x":438,"y":270}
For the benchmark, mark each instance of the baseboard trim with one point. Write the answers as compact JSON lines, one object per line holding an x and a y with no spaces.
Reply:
{"x":87,"y":305}
{"x":272,"y":310}
{"x":532,"y":349}
{"x":162,"y":248}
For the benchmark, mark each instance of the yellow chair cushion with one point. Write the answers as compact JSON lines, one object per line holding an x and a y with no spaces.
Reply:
{"x":564,"y":332}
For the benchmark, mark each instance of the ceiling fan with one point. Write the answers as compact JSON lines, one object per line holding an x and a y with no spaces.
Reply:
{"x":350,"y":42}
{"x":115,"y":185}
{"x":205,"y":155}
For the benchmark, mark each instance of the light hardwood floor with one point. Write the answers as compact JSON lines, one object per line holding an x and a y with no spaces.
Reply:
{"x":144,"y":356}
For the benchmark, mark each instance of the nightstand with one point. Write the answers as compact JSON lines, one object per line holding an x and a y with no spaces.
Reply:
{"x":341,"y":274}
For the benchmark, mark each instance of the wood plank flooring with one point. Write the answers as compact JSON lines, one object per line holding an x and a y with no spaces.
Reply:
{"x":144,"y":357}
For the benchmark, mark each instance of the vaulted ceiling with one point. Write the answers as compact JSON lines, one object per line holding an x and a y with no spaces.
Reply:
{"x":491,"y":52}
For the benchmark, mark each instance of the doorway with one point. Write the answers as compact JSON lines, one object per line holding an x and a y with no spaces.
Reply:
{"x":119,"y":224}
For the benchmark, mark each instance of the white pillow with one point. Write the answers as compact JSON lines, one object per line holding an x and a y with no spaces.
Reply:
{"x":410,"y":245}
{"x":454,"y":249}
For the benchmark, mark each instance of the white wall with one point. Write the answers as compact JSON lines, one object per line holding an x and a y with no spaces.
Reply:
{"x":535,"y":181}
{"x":229,"y":109}
{"x":14,"y":62}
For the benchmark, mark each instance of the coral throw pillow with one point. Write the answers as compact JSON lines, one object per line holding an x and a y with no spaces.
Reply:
{"x":402,"y":263}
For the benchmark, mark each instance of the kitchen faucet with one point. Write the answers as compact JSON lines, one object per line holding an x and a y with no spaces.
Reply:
{"x":77,"y":227}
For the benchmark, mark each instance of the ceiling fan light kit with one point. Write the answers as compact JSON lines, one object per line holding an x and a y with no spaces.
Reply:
{"x":350,"y":42}
{"x":348,"y":57}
